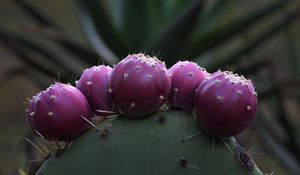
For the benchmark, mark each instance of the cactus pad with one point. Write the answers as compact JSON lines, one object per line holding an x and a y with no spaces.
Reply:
{"x":162,"y":144}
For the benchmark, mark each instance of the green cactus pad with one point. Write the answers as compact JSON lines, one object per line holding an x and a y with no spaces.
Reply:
{"x":154,"y":145}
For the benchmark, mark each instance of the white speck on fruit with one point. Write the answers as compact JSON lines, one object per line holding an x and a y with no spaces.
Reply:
{"x":238,"y":92}
{"x":32,"y":114}
{"x":52,"y":97}
{"x":76,"y":82}
{"x":50,"y":114}
{"x":176,"y":90}
{"x":217,"y":82}
{"x":109,"y":90}
{"x":125,"y":76}
{"x":149,"y":77}
{"x":161,"y":97}
{"x":248,"y":108}
{"x":132,"y":105}
{"x":89,"y":83}
{"x":219,"y":98}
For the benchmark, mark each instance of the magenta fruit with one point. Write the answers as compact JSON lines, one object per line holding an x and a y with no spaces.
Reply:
{"x":57,"y":113}
{"x":93,"y":83}
{"x":139,"y":85}
{"x":225,"y":104}
{"x":186,"y":77}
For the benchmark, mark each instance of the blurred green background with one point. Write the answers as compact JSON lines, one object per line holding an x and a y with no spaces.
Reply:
{"x":46,"y":41}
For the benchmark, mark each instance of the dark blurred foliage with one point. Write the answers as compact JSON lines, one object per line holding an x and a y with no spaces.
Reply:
{"x":237,"y":35}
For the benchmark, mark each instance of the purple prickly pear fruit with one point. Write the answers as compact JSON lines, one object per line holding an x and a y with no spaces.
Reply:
{"x":186,"y":77}
{"x":57,"y":113}
{"x":225,"y":104}
{"x":93,"y":83}
{"x":139,"y":85}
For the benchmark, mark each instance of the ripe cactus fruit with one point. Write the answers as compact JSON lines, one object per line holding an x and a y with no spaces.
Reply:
{"x":56,"y":114}
{"x":93,"y":83}
{"x":148,"y":147}
{"x":139,"y":85}
{"x":225,"y":104}
{"x":186,"y":77}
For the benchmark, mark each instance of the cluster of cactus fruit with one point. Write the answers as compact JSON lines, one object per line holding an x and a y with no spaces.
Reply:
{"x":224,"y":102}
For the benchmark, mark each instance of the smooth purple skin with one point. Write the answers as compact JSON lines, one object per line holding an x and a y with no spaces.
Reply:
{"x":225,"y":104}
{"x":56,"y":114}
{"x":139,"y":85}
{"x":186,"y":77}
{"x":93,"y":83}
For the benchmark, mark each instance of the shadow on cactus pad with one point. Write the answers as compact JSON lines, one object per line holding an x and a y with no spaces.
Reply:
{"x":164,"y":143}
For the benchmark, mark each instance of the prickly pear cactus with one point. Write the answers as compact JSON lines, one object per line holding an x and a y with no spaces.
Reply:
{"x":164,"y":143}
{"x":93,"y":83}
{"x":139,"y":85}
{"x":57,"y":113}
{"x":225,"y":104}
{"x":186,"y":77}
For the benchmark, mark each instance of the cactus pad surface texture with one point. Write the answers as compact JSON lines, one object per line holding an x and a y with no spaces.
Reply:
{"x":164,"y":143}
